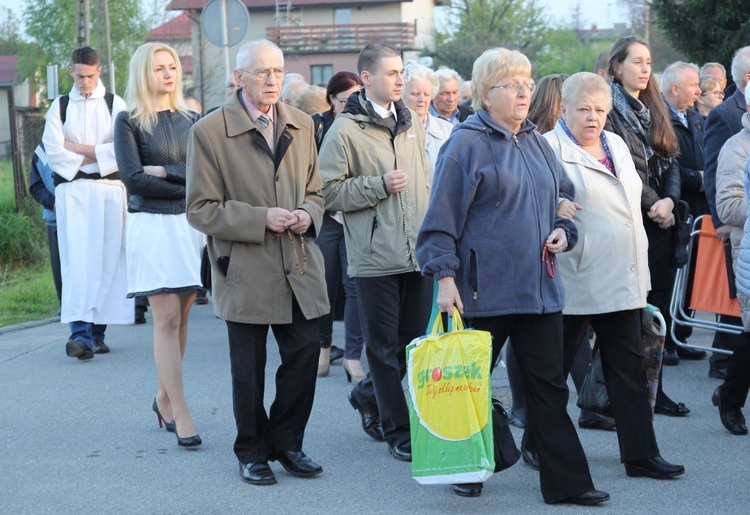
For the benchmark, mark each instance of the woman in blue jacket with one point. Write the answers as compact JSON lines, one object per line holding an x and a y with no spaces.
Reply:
{"x":489,"y":239}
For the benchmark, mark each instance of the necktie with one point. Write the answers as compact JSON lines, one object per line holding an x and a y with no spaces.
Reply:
{"x":266,"y":129}
{"x":683,"y":118}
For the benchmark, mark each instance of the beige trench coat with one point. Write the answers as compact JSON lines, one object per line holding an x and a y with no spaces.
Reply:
{"x":232,"y":181}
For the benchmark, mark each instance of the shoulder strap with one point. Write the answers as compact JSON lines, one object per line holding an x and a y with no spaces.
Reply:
{"x":318,"y":127}
{"x":64,"y":107}
{"x":109,"y":98}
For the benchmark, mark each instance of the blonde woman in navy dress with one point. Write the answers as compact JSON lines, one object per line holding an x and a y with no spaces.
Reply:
{"x":163,"y":251}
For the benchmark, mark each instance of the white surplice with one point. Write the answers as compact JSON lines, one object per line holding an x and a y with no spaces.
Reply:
{"x":90,"y":213}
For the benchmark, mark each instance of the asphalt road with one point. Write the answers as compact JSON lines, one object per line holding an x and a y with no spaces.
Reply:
{"x":80,"y":437}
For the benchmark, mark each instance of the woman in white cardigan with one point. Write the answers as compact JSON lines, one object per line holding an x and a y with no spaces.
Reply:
{"x":420,"y":86}
{"x":606,"y":275}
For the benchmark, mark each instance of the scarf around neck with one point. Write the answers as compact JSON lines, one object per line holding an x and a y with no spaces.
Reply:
{"x":635,"y":114}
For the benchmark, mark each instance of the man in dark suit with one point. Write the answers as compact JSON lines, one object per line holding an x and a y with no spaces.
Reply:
{"x":723,"y":122}
{"x":680,"y":85}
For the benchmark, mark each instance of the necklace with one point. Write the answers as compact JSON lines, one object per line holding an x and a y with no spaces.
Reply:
{"x":406,"y":209}
{"x":303,"y":269}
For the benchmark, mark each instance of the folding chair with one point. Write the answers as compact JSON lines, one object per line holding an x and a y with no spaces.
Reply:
{"x":709,"y":289}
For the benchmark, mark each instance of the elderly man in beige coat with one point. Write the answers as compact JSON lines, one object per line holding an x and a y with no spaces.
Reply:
{"x":253,"y":188}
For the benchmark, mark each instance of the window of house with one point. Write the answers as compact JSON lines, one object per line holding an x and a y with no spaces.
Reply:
{"x":321,"y":73}
{"x":342,"y":16}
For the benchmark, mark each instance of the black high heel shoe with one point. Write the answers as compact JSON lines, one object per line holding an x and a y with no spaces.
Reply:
{"x":168,"y":425}
{"x":190,"y":441}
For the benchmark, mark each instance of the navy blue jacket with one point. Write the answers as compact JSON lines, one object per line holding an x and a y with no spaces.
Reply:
{"x":492,"y":207}
{"x":723,"y":122}
{"x":690,"y":160}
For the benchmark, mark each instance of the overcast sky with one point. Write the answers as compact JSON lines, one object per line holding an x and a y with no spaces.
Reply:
{"x":603,"y":13}
{"x":599,"y":12}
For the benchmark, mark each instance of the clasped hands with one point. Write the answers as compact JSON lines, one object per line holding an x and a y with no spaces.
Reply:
{"x":661,"y":213}
{"x":279,"y":220}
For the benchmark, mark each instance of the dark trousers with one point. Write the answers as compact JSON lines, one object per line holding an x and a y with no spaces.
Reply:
{"x":54,"y":259}
{"x":725,"y":341}
{"x":394,"y":309}
{"x":580,"y":368}
{"x":537,"y":342}
{"x":620,"y":342}
{"x":736,"y":385}
{"x":333,"y":247}
{"x":258,"y":434}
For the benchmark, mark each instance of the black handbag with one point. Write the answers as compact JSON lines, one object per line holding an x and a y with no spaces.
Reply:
{"x":681,"y":233}
{"x":506,"y":452}
{"x":206,"y":269}
{"x":593,"y":395}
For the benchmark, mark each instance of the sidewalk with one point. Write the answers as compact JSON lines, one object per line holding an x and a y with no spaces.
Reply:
{"x":80,"y":437}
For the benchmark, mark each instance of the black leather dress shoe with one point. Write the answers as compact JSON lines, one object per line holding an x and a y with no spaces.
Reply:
{"x":586,"y":498}
{"x":691,"y":354}
{"x":655,"y":467}
{"x":530,"y":458}
{"x":717,"y":372}
{"x":596,"y":422}
{"x":732,"y":418}
{"x":468,"y":489}
{"x":670,"y":358}
{"x":336,"y":354}
{"x":676,"y":409}
{"x":298,"y":464}
{"x":257,"y":473}
{"x":401,"y":452}
{"x":370,"y":420}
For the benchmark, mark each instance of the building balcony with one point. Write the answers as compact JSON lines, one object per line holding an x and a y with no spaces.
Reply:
{"x":310,"y":39}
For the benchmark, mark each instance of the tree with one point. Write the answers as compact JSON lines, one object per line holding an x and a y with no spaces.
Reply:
{"x":52,"y":25}
{"x":705,"y":30}
{"x":10,"y":34}
{"x":564,"y":52}
{"x":476,"y":25}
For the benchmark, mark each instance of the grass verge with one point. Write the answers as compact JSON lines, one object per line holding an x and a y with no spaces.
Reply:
{"x":27,"y":294}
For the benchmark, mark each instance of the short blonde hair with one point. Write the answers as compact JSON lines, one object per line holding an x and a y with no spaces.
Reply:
{"x":708,"y":83}
{"x":490,"y":67}
{"x":142,"y":85}
{"x":583,"y":85}
{"x":312,"y":100}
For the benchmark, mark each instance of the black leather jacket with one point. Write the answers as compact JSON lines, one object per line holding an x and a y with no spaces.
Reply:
{"x":165,"y":146}
{"x":660,"y":175}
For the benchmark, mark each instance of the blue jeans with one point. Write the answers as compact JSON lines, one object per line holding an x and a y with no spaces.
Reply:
{"x":87,"y":332}
{"x":332,"y":246}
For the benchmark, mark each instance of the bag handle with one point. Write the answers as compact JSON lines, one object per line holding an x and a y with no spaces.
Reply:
{"x":455,"y":322}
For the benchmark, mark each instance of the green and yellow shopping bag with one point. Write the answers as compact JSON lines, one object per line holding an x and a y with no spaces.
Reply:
{"x":450,"y":404}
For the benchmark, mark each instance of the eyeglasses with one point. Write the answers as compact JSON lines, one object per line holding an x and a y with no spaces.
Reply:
{"x":516,"y":88}
{"x":717,"y":94}
{"x":262,"y":75}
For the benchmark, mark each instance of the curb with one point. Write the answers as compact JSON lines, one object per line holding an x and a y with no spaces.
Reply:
{"x":28,"y":325}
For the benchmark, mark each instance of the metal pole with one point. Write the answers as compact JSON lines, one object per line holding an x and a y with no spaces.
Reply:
{"x":225,"y":33}
{"x":110,"y":62}
{"x":87,"y":21}
{"x":19,"y":181}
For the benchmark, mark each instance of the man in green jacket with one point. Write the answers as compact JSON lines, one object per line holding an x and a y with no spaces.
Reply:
{"x":374,"y":170}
